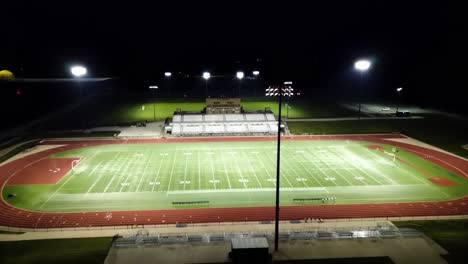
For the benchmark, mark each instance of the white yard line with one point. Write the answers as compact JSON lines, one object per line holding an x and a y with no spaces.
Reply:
{"x":213,"y":173}
{"x":157,"y":174}
{"x":352,"y":157}
{"x":239,"y":172}
{"x":185,"y":171}
{"x":199,"y":171}
{"x":265,"y":168}
{"x":225,"y":169}
{"x":135,"y":163}
{"x":334,"y":157}
{"x":172,"y":171}
{"x":102,"y":172}
{"x":58,"y":189}
{"x":117,"y":171}
{"x":311,"y":175}
{"x":148,"y":161}
{"x":282,"y":172}
{"x":251,"y":168}
{"x":339,"y":157}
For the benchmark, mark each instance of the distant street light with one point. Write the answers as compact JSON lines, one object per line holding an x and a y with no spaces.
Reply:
{"x":399,"y":89}
{"x":362,"y":66}
{"x":256,"y":73}
{"x":153,"y":88}
{"x":206,"y":75}
{"x":78,"y":71}
{"x":168,"y":74}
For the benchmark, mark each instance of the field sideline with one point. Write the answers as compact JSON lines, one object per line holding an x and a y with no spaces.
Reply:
{"x":233,"y":173}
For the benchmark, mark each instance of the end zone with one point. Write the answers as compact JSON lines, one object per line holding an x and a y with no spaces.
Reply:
{"x":45,"y":171}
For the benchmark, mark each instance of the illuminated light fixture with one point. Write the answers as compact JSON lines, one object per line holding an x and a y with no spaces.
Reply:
{"x":206,"y":75}
{"x":78,"y":71}
{"x":153,"y":87}
{"x":240,"y":75}
{"x":256,"y":73}
{"x":168,"y":74}
{"x":399,"y":89}
{"x":288,"y":83}
{"x":362,"y":65}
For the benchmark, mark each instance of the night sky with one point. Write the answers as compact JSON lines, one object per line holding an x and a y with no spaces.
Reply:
{"x":416,"y":44}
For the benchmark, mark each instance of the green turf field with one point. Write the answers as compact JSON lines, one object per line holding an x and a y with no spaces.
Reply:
{"x":229,"y":174}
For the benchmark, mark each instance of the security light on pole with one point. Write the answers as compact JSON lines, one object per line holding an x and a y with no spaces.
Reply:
{"x":399,"y":89}
{"x":168,"y":74}
{"x":256,"y":73}
{"x":153,"y":88}
{"x":206,"y":75}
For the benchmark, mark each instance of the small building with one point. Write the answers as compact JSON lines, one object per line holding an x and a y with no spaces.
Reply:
{"x":250,"y":250}
{"x":223,"y":105}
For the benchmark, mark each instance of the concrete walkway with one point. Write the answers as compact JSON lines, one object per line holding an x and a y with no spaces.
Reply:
{"x":349,"y":118}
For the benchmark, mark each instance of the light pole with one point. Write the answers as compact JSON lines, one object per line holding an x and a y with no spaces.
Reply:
{"x":206,"y":76}
{"x":153,"y":88}
{"x":278,"y":91}
{"x":79,"y":71}
{"x":168,"y":75}
{"x":399,"y":89}
{"x":362,"y":66}
{"x":289,"y":93}
{"x":240,"y":76}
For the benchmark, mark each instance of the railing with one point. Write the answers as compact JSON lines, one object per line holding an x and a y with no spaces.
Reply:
{"x":318,"y":224}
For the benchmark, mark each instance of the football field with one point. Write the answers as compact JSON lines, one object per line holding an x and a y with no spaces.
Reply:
{"x":234,"y":174}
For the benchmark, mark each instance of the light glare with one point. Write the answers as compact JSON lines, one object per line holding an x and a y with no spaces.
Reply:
{"x":168,"y":74}
{"x":206,"y":75}
{"x":240,"y":75}
{"x":362,"y":65}
{"x":78,"y":71}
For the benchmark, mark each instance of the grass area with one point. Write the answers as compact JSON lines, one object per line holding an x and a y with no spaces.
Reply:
{"x":231,"y":174}
{"x":450,"y":234}
{"x":162,"y":109}
{"x":81,"y":250}
{"x":448,"y":134}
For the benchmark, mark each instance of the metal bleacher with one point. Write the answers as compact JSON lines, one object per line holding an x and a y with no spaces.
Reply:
{"x":219,"y":124}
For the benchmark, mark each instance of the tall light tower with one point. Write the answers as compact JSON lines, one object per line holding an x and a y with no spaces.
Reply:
{"x":362,"y":66}
{"x":399,"y":89}
{"x":206,"y":76}
{"x":79,"y":71}
{"x":154,"y":88}
{"x":278,"y":90}
{"x":167,"y":76}
{"x":240,"y":76}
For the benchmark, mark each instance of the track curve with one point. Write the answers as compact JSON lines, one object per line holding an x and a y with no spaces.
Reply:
{"x":15,"y":217}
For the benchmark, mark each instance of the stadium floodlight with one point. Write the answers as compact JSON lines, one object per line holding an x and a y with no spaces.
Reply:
{"x":206,"y":75}
{"x":288,"y":83}
{"x":78,"y":71}
{"x":399,"y":89}
{"x":240,"y":75}
{"x":153,"y":87}
{"x":362,"y":65}
{"x":168,"y":74}
{"x":256,"y":73}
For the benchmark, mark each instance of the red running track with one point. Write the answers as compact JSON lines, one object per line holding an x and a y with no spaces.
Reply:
{"x":15,"y":217}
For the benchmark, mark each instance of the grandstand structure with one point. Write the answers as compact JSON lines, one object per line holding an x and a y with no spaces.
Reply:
{"x":223,"y":124}
{"x":222,"y":116}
